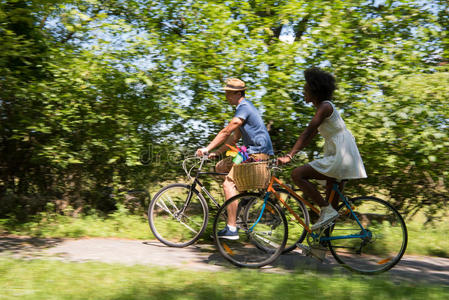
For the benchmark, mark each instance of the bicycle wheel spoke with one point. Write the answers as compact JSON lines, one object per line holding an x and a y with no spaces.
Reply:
{"x":296,"y":232}
{"x":169,"y":225}
{"x":262,"y":232}
{"x":190,"y":228}
{"x":170,"y":200}
{"x":259,"y":235}
{"x":183,"y":223}
{"x":161,"y":204}
{"x":382,"y":240}
{"x":165,"y":208}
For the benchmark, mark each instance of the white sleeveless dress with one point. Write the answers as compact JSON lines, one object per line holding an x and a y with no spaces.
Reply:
{"x":341,"y":158}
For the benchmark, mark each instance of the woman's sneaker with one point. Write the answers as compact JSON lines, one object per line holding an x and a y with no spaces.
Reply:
{"x":327,"y":215}
{"x":226,"y":233}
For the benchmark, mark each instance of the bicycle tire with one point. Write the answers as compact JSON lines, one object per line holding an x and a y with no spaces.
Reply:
{"x":296,"y":232}
{"x":170,"y":228}
{"x":262,"y":236}
{"x":385,"y":244}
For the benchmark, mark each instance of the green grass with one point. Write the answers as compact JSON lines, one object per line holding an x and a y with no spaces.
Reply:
{"x":428,"y":239}
{"x":44,"y":279}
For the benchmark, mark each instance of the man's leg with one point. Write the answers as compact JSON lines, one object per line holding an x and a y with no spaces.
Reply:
{"x":225,"y":166}
{"x":230,"y":191}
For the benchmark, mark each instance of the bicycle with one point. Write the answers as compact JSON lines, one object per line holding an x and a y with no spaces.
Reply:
{"x":369,"y":236}
{"x":178,"y":213}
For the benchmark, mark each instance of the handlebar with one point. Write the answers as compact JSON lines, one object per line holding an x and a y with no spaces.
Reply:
{"x":202,"y":160}
{"x":272,"y":164}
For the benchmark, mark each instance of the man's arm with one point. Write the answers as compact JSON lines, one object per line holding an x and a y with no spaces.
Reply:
{"x":225,"y":133}
{"x":232,"y":139}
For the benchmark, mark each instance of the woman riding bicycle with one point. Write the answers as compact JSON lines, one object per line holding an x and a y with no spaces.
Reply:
{"x":341,"y":158}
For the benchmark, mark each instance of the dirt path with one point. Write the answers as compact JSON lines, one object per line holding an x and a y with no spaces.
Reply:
{"x":199,"y":257}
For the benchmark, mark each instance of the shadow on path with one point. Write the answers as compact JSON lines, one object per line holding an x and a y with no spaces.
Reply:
{"x":26,"y":245}
{"x":434,"y":270}
{"x":425,"y":269}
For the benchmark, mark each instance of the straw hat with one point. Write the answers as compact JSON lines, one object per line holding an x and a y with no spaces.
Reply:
{"x":234,"y":84}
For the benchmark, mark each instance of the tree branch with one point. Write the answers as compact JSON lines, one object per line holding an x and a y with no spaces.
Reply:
{"x":301,"y":27}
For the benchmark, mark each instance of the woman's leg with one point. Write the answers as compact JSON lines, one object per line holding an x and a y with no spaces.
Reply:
{"x":301,"y":176}
{"x":336,"y":198}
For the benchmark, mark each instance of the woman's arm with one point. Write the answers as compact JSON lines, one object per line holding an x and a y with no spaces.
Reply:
{"x":323,"y":112}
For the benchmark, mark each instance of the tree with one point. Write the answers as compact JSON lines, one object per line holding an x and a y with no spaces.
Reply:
{"x":109,"y":82}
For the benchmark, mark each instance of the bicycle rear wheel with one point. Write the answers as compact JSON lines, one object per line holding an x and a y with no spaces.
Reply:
{"x":177,"y":216}
{"x":263,"y":231}
{"x":380,"y":248}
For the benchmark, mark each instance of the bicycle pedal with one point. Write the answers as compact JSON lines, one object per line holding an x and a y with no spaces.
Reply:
{"x":318,"y":253}
{"x":304,"y":249}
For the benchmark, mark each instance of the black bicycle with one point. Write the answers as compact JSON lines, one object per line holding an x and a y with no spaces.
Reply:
{"x":178,"y":213}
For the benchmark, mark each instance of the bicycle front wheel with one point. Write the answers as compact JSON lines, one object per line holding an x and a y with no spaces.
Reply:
{"x":177,"y":215}
{"x":262,"y":229}
{"x":296,"y":232}
{"x":372,"y":239}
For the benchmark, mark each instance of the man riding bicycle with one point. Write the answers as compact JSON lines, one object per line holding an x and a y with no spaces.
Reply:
{"x":248,"y":125}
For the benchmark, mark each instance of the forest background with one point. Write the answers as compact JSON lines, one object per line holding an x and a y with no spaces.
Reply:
{"x":112,"y":93}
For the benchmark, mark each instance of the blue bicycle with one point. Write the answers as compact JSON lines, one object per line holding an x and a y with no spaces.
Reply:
{"x":369,"y":236}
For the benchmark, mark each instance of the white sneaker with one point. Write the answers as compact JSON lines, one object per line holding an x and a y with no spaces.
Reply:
{"x":327,"y":215}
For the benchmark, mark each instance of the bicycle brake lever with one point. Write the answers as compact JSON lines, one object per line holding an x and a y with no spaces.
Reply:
{"x":276,"y":169}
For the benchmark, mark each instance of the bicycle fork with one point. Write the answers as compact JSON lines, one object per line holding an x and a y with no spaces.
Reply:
{"x":265,"y":199}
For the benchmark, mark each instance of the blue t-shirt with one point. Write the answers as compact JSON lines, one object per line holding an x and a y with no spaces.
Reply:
{"x":254,"y":133}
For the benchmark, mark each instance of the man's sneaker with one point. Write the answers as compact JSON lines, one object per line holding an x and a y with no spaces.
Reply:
{"x":327,"y":215}
{"x":226,"y":233}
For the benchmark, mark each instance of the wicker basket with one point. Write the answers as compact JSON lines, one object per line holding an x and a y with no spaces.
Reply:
{"x":255,"y":175}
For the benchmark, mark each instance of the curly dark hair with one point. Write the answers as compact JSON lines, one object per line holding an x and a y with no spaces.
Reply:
{"x":321,"y":84}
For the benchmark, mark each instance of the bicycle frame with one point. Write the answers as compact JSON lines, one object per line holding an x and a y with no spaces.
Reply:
{"x":196,"y":182}
{"x":335,"y":190}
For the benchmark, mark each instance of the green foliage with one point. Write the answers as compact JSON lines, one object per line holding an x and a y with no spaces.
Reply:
{"x":120,"y":224}
{"x":405,"y":135}
{"x":88,"y":88}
